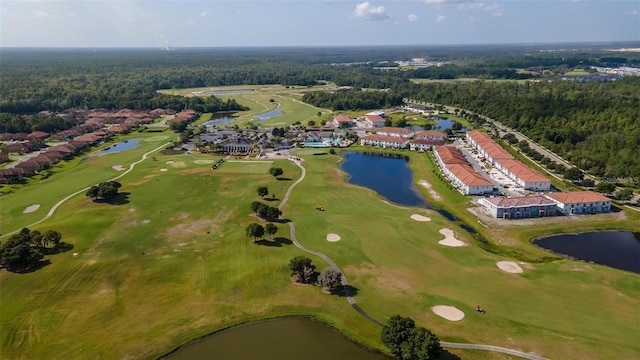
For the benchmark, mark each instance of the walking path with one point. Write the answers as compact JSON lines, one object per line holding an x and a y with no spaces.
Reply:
{"x":360,"y":310}
{"x":55,"y":207}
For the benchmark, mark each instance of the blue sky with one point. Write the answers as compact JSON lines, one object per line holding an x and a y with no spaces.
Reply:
{"x":146,"y":23}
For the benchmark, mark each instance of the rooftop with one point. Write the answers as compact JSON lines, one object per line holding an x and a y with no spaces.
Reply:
{"x":391,"y":139}
{"x":576,"y":197}
{"x":467,"y":175}
{"x":519,"y":201}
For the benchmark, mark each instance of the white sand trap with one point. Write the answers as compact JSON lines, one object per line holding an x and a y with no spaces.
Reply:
{"x":169,"y":162}
{"x":179,"y":165}
{"x":118,"y":167}
{"x":509,"y":266}
{"x":333,"y":237}
{"x":31,"y":208}
{"x":450,"y":239}
{"x":203,"y":162}
{"x":163,"y":169}
{"x":450,"y":313}
{"x":418,"y":217}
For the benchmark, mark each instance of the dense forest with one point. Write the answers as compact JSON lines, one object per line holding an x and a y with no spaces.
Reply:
{"x":595,"y":125}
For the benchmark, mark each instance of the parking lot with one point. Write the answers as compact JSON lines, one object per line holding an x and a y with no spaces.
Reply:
{"x":501,"y":182}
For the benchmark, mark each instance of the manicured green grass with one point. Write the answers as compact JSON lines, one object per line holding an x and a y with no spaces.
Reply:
{"x":245,"y":167}
{"x":172,"y":263}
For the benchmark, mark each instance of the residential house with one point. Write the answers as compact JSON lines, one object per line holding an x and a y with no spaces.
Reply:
{"x":374,"y":120}
{"x":524,"y":176}
{"x":467,"y":180}
{"x":580,"y":202}
{"x":431,"y":135}
{"x":421,"y":109}
{"x":342,"y":121}
{"x":393,"y":142}
{"x":519,"y":207}
{"x":424,"y":144}
{"x":394,"y":131}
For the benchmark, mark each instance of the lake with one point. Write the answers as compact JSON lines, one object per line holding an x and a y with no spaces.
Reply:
{"x":219,"y":119}
{"x":120,"y":146}
{"x":268,"y":115}
{"x":617,"y":249}
{"x":278,"y":339}
{"x":443,"y":124}
{"x":389,"y":175}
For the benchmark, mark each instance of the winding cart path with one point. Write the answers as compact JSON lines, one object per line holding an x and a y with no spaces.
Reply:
{"x":360,"y":310}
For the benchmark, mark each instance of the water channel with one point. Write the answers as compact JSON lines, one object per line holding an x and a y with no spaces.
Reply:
{"x":268,"y":115}
{"x":120,"y":146}
{"x":278,"y":339}
{"x":617,"y":249}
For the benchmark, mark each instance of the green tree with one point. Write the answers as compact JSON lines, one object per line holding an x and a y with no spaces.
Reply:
{"x":588,"y":183}
{"x":573,"y":174}
{"x":395,"y":332}
{"x":276,"y":171}
{"x":330,"y":279}
{"x":270,"y":229}
{"x":105,"y":190}
{"x":51,"y":237}
{"x":263,"y":191}
{"x":254,"y":230}
{"x":272,"y":213}
{"x":311,"y":123}
{"x":302,"y":268}
{"x":605,"y":187}
{"x":408,"y":342}
{"x":624,"y":194}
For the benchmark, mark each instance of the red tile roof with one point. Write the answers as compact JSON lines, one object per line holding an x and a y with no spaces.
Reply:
{"x":391,"y":139}
{"x":576,"y":197}
{"x":374,"y":118}
{"x":431,"y":133}
{"x":522,"y":171}
{"x":479,"y":137}
{"x":428,"y":142}
{"x":467,"y":175}
{"x":450,"y":155}
{"x":394,"y":130}
{"x":496,"y":151}
{"x":342,"y":118}
{"x":518,"y":201}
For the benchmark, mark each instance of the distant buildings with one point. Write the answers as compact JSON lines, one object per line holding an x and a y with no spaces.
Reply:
{"x":342,"y":121}
{"x":374,"y":120}
{"x":385,"y":141}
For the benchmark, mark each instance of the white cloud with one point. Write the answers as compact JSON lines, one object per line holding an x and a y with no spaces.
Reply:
{"x":204,"y":13}
{"x":368,"y":11}
{"x":43,"y":15}
{"x":440,"y":18}
{"x":412,"y":18}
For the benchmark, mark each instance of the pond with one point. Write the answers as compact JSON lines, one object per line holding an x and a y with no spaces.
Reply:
{"x":286,"y":338}
{"x":228,"y":92}
{"x":220,"y":119}
{"x":443,"y":124}
{"x":120,"y":146}
{"x":617,"y":249}
{"x":268,"y":115}
{"x":389,"y":175}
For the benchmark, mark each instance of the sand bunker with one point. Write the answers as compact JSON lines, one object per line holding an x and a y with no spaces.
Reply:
{"x":203,"y":162}
{"x":333,"y":237}
{"x":450,"y":239}
{"x":169,"y":162}
{"x":163,"y":169}
{"x":509,"y":266}
{"x":450,"y":313}
{"x":31,"y":208}
{"x":179,"y":165}
{"x":118,"y":167}
{"x":418,"y":217}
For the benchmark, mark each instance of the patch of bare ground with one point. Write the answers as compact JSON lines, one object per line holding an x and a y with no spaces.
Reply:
{"x":425,"y":184}
{"x":487,"y":220}
{"x":390,"y":279}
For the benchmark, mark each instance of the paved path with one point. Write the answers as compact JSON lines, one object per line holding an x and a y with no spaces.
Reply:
{"x":360,"y":310}
{"x":55,"y":207}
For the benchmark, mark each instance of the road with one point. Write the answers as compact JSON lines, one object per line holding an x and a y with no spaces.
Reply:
{"x":363,"y":312}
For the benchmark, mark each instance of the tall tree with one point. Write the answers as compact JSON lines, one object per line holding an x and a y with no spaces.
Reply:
{"x":330,"y":279}
{"x":254,"y":230}
{"x":262,"y":191}
{"x":408,"y":342}
{"x":276,"y":171}
{"x":270,"y":229}
{"x":302,"y":268}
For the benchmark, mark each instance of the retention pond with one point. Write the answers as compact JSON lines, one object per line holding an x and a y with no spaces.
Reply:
{"x":617,"y":249}
{"x":279,"y":339}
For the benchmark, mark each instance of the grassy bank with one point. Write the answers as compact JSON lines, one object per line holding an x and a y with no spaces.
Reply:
{"x":171,"y":263}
